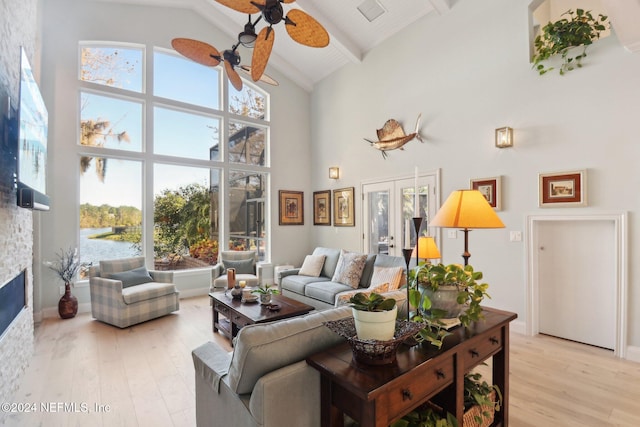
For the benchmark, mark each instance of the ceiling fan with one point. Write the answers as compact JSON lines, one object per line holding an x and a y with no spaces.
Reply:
{"x":301,"y":27}
{"x":205,"y":54}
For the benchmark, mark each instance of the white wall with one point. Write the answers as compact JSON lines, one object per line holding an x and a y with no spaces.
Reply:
{"x":468,"y":73}
{"x":68,"y":21}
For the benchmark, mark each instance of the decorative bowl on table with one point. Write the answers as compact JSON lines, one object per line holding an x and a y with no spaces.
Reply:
{"x":374,"y":352}
{"x":250,"y":299}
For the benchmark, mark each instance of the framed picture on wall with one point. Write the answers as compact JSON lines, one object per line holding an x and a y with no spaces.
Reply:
{"x":343,"y":207}
{"x":490,"y":189}
{"x":322,"y":207}
{"x":291,"y":207}
{"x":562,"y":189}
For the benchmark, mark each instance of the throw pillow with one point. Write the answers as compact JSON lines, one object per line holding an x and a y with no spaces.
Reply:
{"x":242,"y":266}
{"x":312,"y":265}
{"x":349,"y":268}
{"x":137,"y":276}
{"x":344,"y":297}
{"x":391,"y":275}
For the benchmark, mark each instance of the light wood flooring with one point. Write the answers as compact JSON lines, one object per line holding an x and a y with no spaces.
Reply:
{"x":145,"y":375}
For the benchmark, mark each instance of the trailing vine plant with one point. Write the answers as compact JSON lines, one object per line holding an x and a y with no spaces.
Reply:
{"x":578,"y":29}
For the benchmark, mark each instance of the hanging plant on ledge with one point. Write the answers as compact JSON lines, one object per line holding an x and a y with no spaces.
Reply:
{"x":580,"y":29}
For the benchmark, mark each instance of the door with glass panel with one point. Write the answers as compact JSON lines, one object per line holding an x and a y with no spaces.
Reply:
{"x":388,"y":211}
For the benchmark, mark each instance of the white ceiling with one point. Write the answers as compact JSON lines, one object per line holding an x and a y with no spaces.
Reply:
{"x":351,"y":34}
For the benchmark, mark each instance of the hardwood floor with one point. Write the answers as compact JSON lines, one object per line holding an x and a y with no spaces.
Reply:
{"x":145,"y":375}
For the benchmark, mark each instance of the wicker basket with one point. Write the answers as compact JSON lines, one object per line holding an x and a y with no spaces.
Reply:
{"x":478,"y":412}
{"x":374,"y":352}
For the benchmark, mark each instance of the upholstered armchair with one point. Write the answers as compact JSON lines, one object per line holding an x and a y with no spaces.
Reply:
{"x":124,"y":292}
{"x":243,"y":261}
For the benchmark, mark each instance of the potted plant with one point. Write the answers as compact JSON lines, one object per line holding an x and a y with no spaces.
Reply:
{"x":448,"y":291}
{"x":264,"y":292}
{"x":481,"y":401}
{"x":66,"y":266}
{"x":579,"y":29}
{"x":374,"y":316}
{"x":426,"y":415}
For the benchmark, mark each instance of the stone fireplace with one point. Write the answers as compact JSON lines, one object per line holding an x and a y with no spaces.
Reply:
{"x":18,"y":27}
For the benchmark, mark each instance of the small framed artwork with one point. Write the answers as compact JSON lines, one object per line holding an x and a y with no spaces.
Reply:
{"x":563,"y":189}
{"x":490,"y":189}
{"x":291,"y":207}
{"x":322,"y":207}
{"x":343,"y":207}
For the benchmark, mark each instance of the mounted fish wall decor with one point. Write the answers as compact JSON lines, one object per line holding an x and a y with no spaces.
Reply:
{"x":392,"y":136}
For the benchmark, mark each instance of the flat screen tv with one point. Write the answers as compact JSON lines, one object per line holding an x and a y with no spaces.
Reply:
{"x":32,"y":142}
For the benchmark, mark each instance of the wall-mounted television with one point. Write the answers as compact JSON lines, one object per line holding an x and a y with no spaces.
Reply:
{"x":31,"y":153}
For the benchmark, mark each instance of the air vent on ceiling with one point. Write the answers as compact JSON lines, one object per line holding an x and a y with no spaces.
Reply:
{"x":371,"y":9}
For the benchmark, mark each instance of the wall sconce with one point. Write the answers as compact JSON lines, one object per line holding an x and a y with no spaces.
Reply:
{"x":504,"y":137}
{"x":334,"y":172}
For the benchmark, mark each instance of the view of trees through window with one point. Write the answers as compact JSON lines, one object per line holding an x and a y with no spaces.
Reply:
{"x":181,"y":161}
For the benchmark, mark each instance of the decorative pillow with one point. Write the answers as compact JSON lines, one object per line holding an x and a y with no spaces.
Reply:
{"x":137,"y":276}
{"x":349,"y":268}
{"x":242,"y":266}
{"x":312,"y":265}
{"x":344,"y":297}
{"x":390,"y":275}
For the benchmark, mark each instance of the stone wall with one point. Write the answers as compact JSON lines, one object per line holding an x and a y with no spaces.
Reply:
{"x":18,"y":27}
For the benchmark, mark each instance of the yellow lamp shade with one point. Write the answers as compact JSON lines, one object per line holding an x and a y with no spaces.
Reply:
{"x":466,"y":209}
{"x":426,"y":249}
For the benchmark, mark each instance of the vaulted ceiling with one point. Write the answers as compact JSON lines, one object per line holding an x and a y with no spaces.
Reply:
{"x":351,"y":34}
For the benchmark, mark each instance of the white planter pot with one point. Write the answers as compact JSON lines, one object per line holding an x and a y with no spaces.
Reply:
{"x":375,"y":325}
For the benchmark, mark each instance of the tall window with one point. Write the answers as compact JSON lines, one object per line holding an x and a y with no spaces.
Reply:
{"x":165,"y":147}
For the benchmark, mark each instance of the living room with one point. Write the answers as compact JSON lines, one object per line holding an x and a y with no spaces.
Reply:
{"x":466,"y":70}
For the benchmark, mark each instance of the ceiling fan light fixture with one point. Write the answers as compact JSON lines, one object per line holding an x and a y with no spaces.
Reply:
{"x":248,"y":37}
{"x":371,"y":9}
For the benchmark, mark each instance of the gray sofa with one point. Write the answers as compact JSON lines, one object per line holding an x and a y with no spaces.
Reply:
{"x":265,"y":381}
{"x":321,"y":292}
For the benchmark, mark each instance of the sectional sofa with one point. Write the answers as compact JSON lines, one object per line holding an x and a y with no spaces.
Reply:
{"x":325,"y":290}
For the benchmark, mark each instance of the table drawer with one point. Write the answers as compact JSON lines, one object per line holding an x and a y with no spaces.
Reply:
{"x":240,"y":321}
{"x":480,"y":348}
{"x":221,"y":308}
{"x":432,"y":379}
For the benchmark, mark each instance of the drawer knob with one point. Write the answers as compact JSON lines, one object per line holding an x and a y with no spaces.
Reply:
{"x":474,"y":352}
{"x":494,"y":340}
{"x":406,"y":394}
{"x":440,"y":374}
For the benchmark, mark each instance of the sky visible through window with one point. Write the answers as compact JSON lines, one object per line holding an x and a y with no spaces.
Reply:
{"x":176,"y":132}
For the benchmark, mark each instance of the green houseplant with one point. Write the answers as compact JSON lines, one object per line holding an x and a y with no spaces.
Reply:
{"x":444,"y":291}
{"x":264,"y":292}
{"x":374,"y":316}
{"x":578,"y":29}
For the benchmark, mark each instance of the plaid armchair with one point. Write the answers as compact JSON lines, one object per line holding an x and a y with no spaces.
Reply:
{"x":124,"y":293}
{"x":243,"y":261}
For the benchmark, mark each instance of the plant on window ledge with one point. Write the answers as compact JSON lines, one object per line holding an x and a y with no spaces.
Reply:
{"x":580,"y":29}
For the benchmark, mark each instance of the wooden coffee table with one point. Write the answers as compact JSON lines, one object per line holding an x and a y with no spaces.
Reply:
{"x":238,"y":314}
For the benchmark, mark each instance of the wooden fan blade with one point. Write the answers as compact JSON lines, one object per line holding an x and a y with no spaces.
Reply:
{"x":233,"y":76}
{"x":288,"y":1}
{"x":244,"y":6}
{"x":307,"y":30}
{"x":246,"y":69}
{"x":261,"y":52}
{"x":197,"y":51}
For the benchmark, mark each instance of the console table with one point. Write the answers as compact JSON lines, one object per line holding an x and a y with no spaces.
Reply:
{"x":379,"y":395}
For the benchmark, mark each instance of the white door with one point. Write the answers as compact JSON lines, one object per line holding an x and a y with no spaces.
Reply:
{"x":388,"y":209}
{"x":577,"y":280}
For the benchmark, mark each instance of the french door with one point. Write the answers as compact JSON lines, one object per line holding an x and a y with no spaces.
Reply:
{"x":388,"y":209}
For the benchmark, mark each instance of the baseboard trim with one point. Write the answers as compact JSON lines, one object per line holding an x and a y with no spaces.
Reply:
{"x":518,"y":326}
{"x":49,"y":312}
{"x":633,"y":354}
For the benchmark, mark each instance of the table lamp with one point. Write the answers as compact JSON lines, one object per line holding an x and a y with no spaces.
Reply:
{"x":426,"y":248}
{"x":466,"y":209}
